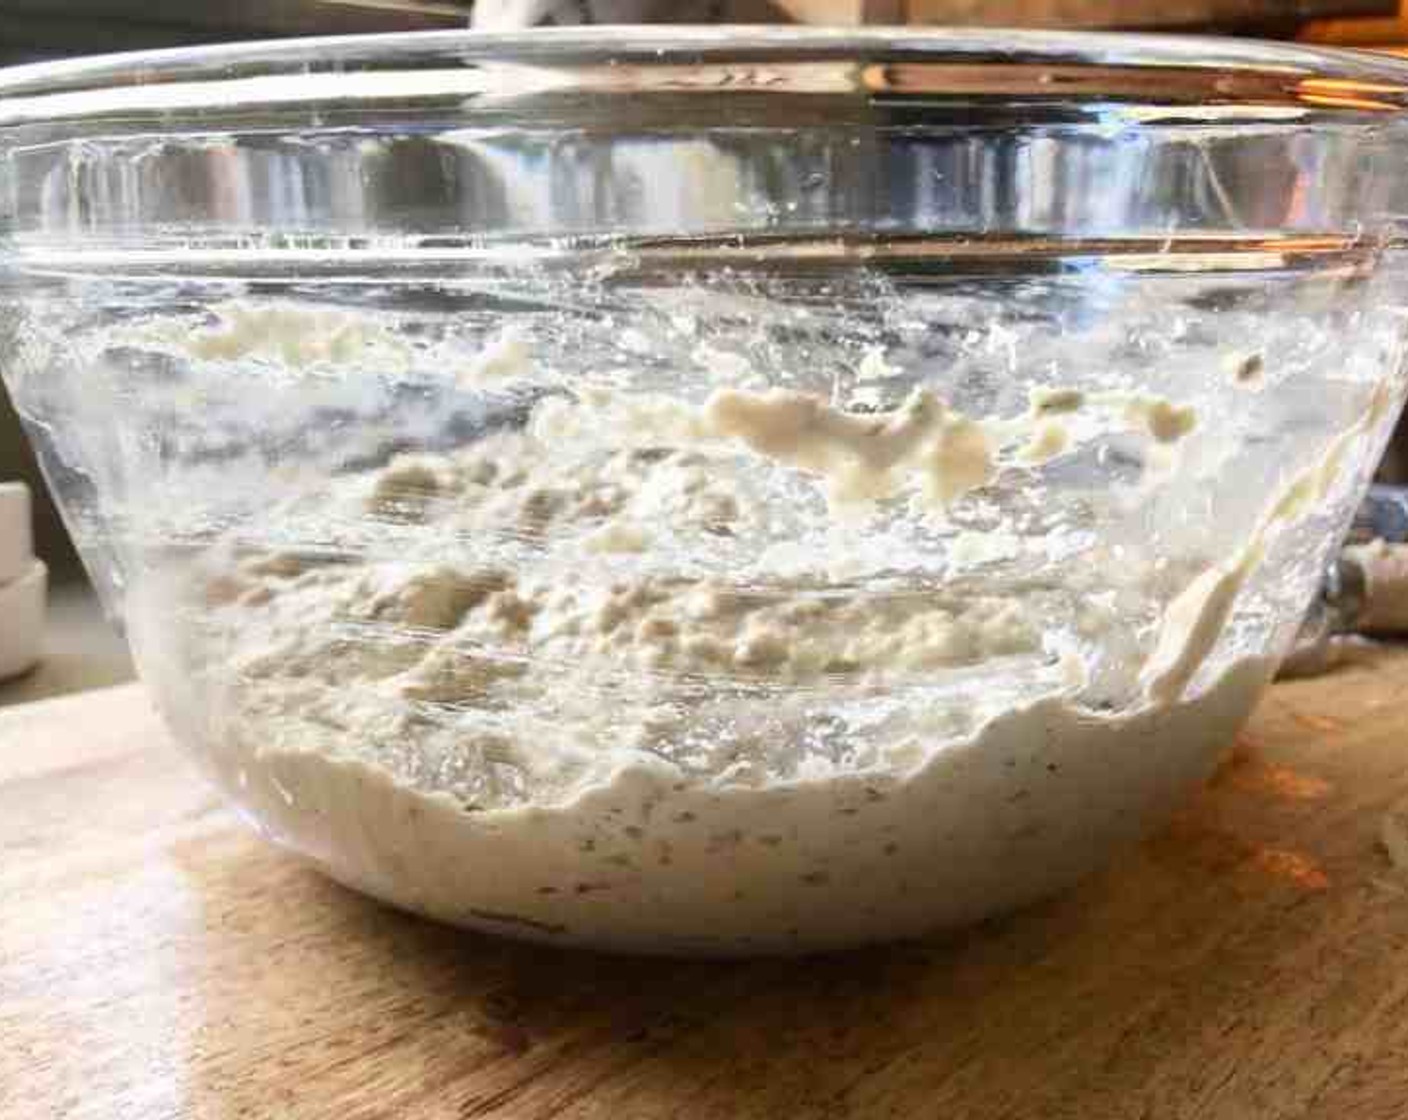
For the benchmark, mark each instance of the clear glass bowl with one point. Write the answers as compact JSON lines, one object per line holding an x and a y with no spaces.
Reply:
{"x":706,"y":491}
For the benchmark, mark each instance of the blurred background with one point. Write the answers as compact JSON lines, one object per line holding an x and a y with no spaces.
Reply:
{"x":82,"y":650}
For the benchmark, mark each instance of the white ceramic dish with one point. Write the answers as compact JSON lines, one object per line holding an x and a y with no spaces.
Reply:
{"x":22,"y":604}
{"x":16,"y":542}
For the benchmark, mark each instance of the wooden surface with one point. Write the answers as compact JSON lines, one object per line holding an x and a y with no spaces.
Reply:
{"x":158,"y":960}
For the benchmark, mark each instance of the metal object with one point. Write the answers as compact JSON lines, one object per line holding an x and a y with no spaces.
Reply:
{"x":1362,"y":588}
{"x":1334,"y":615}
{"x":1382,"y":516}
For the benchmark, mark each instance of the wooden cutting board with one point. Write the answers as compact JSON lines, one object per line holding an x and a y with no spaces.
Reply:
{"x":158,"y":960}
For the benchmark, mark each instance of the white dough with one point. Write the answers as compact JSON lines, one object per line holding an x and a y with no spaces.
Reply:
{"x":538,"y":714}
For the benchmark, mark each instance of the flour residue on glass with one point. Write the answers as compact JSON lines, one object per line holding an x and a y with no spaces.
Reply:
{"x":657,"y":668}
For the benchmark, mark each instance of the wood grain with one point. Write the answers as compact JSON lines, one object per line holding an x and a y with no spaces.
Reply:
{"x":159,"y":960}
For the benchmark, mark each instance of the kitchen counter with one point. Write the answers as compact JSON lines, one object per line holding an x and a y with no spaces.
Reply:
{"x":159,"y":960}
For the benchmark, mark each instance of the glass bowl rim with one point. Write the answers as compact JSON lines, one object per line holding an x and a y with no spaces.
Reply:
{"x":356,"y":68}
